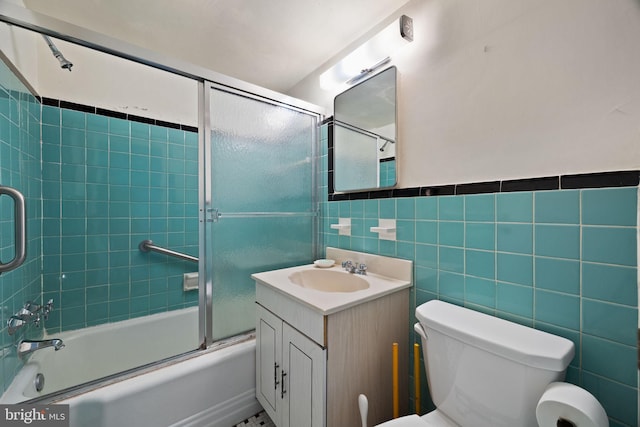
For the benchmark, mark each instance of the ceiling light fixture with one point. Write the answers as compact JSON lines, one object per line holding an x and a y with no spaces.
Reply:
{"x":370,"y":56}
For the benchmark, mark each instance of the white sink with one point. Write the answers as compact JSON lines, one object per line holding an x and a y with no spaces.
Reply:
{"x":329,"y":290}
{"x":328,"y":280}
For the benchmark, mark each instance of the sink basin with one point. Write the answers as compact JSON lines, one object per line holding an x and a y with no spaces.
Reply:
{"x":328,"y":280}
{"x":330,"y":290}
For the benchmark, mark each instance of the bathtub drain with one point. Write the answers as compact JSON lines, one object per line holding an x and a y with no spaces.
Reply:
{"x":39,"y":382}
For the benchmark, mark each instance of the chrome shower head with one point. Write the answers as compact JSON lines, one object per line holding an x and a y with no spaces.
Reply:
{"x":64,"y":63}
{"x":386,"y":141}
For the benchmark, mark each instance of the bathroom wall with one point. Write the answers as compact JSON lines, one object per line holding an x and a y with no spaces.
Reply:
{"x":110,"y":182}
{"x":491,"y":92}
{"x":388,"y":173}
{"x":511,"y":89}
{"x":117,"y":84}
{"x":19,"y":47}
{"x":109,"y":173}
{"x":20,"y":169}
{"x":563,"y":261}
{"x":100,"y":79}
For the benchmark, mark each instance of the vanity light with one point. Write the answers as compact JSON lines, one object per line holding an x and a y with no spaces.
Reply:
{"x":371,"y":55}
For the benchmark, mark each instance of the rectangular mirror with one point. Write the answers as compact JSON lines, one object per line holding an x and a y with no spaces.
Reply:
{"x":364,"y":134}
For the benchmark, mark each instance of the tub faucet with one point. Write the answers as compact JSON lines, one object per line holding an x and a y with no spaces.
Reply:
{"x":29,"y":346}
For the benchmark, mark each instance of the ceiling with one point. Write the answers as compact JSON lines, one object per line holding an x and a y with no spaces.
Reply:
{"x":271,"y":43}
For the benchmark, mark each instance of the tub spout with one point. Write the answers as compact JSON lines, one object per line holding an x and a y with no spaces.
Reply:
{"x":29,"y":346}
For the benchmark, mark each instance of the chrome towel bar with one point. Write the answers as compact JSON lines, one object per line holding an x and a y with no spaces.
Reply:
{"x":20,"y":229}
{"x":148,"y":246}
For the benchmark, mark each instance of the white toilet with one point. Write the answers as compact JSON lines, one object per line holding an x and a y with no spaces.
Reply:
{"x":483,"y":371}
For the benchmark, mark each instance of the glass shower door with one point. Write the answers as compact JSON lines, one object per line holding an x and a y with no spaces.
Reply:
{"x":262,"y":199}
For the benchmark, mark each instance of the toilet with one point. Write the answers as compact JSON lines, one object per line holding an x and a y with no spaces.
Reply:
{"x":483,"y":371}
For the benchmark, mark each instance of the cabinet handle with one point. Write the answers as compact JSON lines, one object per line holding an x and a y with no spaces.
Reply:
{"x":282,"y":390}
{"x":275,"y":375}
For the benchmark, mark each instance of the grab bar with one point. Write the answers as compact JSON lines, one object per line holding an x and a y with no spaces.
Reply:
{"x":20,"y":229}
{"x":147,"y":245}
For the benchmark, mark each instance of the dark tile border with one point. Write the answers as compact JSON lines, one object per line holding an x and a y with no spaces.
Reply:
{"x":598,"y":180}
{"x":564,"y":182}
{"x":531,"y":184}
{"x":440,"y":190}
{"x":111,"y":113}
{"x":77,"y":107}
{"x":141,"y":119}
{"x":478,"y":188}
{"x":51,"y":102}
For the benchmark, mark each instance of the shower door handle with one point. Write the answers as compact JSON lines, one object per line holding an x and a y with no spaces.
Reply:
{"x":20,"y":229}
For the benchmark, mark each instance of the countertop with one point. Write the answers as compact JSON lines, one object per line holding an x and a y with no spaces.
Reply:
{"x":328,"y":302}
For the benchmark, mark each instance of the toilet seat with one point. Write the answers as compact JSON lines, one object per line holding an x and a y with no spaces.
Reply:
{"x":432,"y":419}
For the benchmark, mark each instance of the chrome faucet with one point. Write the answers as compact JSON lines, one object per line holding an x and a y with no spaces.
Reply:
{"x":356,"y":268}
{"x":30,"y":313}
{"x":29,"y":346}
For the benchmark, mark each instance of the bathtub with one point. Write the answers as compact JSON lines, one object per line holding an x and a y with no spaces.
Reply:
{"x":201,"y":388}
{"x":215,"y":389}
{"x":103,"y":350}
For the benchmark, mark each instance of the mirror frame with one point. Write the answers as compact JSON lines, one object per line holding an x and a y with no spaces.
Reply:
{"x":331,"y":143}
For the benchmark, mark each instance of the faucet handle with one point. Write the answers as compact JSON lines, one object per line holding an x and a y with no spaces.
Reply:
{"x":31,"y":306}
{"x":48,"y":307}
{"x":23,"y":314}
{"x":347,"y":264}
{"x":361,"y":269}
{"x":14,"y":323}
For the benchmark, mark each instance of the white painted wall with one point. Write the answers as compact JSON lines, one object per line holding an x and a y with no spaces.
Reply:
{"x":99,"y":79}
{"x":505,"y":89}
{"x":19,"y":47}
{"x":106,"y":81}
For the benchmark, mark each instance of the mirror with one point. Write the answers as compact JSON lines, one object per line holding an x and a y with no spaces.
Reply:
{"x":364,"y":135}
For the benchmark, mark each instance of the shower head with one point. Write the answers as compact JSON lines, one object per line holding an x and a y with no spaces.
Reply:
{"x":64,"y":63}
{"x":385,"y":144}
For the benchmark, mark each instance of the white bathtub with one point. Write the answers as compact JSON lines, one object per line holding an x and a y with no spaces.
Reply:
{"x":104,"y":350}
{"x":216,"y":389}
{"x":200,"y":390}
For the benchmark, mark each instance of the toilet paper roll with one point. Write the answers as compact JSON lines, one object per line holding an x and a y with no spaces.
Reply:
{"x":570,"y":403}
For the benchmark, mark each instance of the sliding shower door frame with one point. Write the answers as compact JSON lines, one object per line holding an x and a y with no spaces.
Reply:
{"x":22,"y":17}
{"x":205,"y":284}
{"x":209,"y":214}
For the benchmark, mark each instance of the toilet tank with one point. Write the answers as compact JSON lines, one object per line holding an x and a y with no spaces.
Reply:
{"x":486,"y":371}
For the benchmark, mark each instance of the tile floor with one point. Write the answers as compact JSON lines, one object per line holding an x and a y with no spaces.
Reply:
{"x":258,"y":420}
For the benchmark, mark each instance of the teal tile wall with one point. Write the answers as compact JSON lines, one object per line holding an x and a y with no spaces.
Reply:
{"x":387,"y":173}
{"x":20,"y":169}
{"x":561,"y":261}
{"x":108,"y":184}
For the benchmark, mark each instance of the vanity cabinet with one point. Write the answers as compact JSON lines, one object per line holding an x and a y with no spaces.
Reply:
{"x":312,"y":365}
{"x":290,"y":373}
